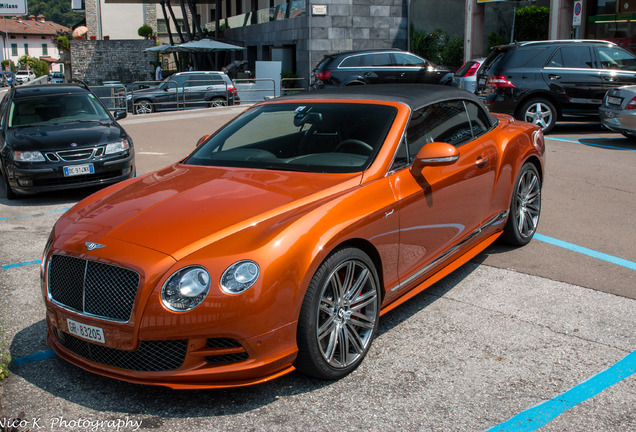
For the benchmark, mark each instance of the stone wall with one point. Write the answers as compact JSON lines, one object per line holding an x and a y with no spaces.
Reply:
{"x":96,"y":61}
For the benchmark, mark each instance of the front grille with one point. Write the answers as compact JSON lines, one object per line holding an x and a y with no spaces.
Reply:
{"x":103,"y":290}
{"x":74,"y":155}
{"x":151,"y":356}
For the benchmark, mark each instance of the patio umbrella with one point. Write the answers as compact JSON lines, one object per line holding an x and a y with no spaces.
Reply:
{"x":206,"y":45}
{"x":80,"y":31}
{"x":162,"y":48}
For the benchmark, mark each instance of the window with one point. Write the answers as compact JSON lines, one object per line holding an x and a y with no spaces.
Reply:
{"x":479,"y":120}
{"x":45,"y":49}
{"x":26,"y":49}
{"x":614,"y":58}
{"x":14,"y":49}
{"x":353,"y":61}
{"x":577,"y":57}
{"x":442,"y":122}
{"x":403,"y":59}
{"x":380,"y":59}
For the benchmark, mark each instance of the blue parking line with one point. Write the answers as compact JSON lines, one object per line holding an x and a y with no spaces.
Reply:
{"x":585,"y":251}
{"x":578,"y":140}
{"x":534,"y":418}
{"x":35,"y":214}
{"x":32,"y":358}
{"x":22,"y":264}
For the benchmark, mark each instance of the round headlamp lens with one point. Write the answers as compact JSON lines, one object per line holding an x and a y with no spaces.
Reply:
{"x":186,"y":289}
{"x":239,"y":277}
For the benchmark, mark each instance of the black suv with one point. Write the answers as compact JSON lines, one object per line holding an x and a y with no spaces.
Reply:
{"x":543,"y":81}
{"x":387,"y":66}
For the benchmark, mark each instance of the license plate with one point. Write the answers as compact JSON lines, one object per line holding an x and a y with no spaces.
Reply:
{"x":84,"y":331}
{"x":614,"y":100}
{"x":78,"y":170}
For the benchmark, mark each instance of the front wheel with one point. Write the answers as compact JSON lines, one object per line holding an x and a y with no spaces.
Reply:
{"x":339,"y":315}
{"x":525,"y":207}
{"x":8,"y":192}
{"x":540,"y":112}
{"x":144,"y":107}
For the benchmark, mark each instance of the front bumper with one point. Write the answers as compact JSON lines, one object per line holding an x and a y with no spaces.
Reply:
{"x":186,"y":363}
{"x":43,"y":177}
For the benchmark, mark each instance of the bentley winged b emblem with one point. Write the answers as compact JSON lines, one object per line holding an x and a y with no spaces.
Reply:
{"x":92,"y":246}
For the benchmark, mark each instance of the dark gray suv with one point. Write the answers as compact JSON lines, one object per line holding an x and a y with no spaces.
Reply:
{"x":385,"y":66}
{"x":543,"y":81}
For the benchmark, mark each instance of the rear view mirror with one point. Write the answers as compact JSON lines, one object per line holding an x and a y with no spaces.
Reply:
{"x":434,"y":154}
{"x":203,"y":139}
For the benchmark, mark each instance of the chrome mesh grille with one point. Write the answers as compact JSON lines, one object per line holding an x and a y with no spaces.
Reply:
{"x":94,"y":288}
{"x":151,"y":356}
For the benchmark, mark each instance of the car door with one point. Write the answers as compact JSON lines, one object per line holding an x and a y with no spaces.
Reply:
{"x":441,"y":205}
{"x":196,"y":88}
{"x":572,"y":76}
{"x":617,"y":66}
{"x":169,"y":94}
{"x":413,"y":69}
{"x":379,"y":68}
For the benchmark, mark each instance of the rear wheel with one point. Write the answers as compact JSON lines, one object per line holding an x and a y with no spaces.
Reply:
{"x":525,"y":207}
{"x":144,"y":107}
{"x":540,"y":112}
{"x":339,"y":315}
{"x":218,"y":102}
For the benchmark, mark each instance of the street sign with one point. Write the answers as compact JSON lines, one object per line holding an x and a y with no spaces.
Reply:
{"x":576,"y":14}
{"x":13,"y":7}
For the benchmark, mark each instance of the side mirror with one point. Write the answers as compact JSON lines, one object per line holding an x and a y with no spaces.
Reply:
{"x":203,"y":139}
{"x":434,"y":154}
{"x":120,"y":114}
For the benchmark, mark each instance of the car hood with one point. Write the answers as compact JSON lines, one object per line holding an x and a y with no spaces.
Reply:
{"x":183,"y":208}
{"x":64,"y":136}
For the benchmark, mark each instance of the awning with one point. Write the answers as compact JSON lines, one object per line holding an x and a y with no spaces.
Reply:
{"x":203,"y":45}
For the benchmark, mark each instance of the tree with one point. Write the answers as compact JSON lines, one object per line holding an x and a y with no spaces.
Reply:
{"x":532,"y":23}
{"x":145,"y":31}
{"x":58,"y":11}
{"x":38,"y":66}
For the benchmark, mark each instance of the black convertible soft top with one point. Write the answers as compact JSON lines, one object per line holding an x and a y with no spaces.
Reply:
{"x":413,"y":95}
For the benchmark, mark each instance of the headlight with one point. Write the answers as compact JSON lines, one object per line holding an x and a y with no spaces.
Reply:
{"x":117,"y":147}
{"x":239,"y":276}
{"x":28,"y":156}
{"x":186,"y":289}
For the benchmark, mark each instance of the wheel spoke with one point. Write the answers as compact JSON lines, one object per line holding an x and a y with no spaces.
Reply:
{"x":358,"y":286}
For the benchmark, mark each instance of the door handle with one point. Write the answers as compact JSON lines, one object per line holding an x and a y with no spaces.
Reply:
{"x":481,"y":162}
{"x":553,"y":77}
{"x":610,"y":78}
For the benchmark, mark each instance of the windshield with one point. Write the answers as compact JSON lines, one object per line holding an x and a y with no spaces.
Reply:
{"x":56,"y":109}
{"x":311,"y":137}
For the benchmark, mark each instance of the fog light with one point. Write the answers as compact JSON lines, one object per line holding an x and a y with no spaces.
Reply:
{"x":25,"y":182}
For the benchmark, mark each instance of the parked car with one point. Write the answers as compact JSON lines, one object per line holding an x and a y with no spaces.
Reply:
{"x":543,"y":81}
{"x":286,"y":226}
{"x":185,"y":90}
{"x":56,"y":77}
{"x":24,"y":76}
{"x":387,"y":66}
{"x":56,"y":137}
{"x":466,"y":76}
{"x":618,"y":112}
{"x":6,"y":78}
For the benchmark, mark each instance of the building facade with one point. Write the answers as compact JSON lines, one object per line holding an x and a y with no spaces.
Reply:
{"x":33,"y":36}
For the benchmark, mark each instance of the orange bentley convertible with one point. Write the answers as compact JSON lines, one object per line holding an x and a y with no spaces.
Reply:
{"x":281,"y":240}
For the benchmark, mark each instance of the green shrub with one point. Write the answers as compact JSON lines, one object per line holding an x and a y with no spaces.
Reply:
{"x":145,"y":31}
{"x":532,"y":23}
{"x":438,"y":47}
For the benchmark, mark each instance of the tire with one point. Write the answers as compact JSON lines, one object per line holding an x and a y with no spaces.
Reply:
{"x":8,"y":192}
{"x":218,"y":102}
{"x":337,"y":325}
{"x":540,"y":112}
{"x":525,"y":207}
{"x":143,"y":106}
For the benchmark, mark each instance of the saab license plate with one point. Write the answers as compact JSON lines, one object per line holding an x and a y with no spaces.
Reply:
{"x":92,"y":333}
{"x":78,"y":170}
{"x":614,"y":100}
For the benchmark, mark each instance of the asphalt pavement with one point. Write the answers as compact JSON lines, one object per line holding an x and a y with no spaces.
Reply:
{"x":540,"y":337}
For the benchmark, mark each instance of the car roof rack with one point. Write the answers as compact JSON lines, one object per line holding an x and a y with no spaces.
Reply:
{"x":80,"y":82}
